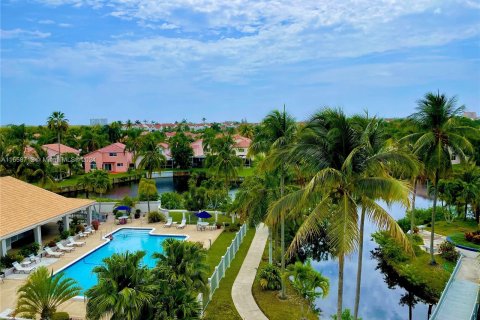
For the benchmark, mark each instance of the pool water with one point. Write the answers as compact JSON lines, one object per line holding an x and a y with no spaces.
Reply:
{"x":125,"y":239}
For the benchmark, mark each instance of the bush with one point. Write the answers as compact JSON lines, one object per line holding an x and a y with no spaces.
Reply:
{"x":65,"y":234}
{"x":424,"y":216}
{"x":137,"y":213}
{"x":233,"y":228}
{"x":390,"y":249}
{"x":30,"y":249}
{"x":473,"y":237}
{"x":155,"y":216}
{"x":72,"y":232}
{"x":6,"y":261}
{"x":404,"y":223}
{"x":95,"y":224}
{"x":346,"y":315}
{"x":448,"y":252}
{"x":61,"y":316}
{"x":171,"y":200}
{"x":270,"y":278}
{"x":79,"y":228}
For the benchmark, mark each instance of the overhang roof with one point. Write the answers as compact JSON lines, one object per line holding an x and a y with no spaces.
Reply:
{"x":23,"y":205}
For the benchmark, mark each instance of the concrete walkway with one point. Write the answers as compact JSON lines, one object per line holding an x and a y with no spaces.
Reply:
{"x":242,"y":287}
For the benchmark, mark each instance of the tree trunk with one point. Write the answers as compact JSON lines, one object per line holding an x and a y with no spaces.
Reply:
{"x":340,"y":286}
{"x":434,"y":212}
{"x":412,"y":212}
{"x":282,"y":236}
{"x":359,"y":265}
{"x":466,"y":207}
{"x":270,"y":246}
{"x":148,"y":204}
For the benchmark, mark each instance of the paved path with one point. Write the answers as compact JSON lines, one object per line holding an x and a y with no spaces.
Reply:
{"x":242,"y":287}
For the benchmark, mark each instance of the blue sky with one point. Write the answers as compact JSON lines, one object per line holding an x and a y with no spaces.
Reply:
{"x":230,"y":60}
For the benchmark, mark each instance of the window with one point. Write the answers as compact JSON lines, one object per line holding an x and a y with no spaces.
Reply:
{"x":119,"y":164}
{"x":93,"y":165}
{"x":241,"y":150}
{"x":112,"y":154}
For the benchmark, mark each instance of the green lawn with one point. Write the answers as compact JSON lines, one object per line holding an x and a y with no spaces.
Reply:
{"x":221,"y":307}
{"x":273,"y":307}
{"x":446,"y":229}
{"x":218,"y":249}
{"x":459,"y":238}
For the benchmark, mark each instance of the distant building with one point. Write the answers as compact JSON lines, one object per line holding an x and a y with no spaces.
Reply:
{"x":470,"y":114}
{"x":99,"y":121}
{"x":112,"y":158}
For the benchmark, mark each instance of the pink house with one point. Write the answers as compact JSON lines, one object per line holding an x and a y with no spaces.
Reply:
{"x":52,"y":151}
{"x":112,"y":158}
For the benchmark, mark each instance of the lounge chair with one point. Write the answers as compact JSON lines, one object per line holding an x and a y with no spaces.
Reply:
{"x":34,"y":258}
{"x":169,"y":223}
{"x":19,"y":268}
{"x":73,"y":243}
{"x":183,"y":224}
{"x":63,"y":248}
{"x":82,"y":235}
{"x":87,"y":231}
{"x":51,"y":253}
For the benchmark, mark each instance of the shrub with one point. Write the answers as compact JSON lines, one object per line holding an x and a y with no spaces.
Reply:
{"x":72,"y":232}
{"x":233,"y":228}
{"x":346,"y":315}
{"x":95,"y":224}
{"x":473,"y":237}
{"x":155,"y":216}
{"x":270,"y":278}
{"x":65,"y":234}
{"x":448,"y":252}
{"x":30,"y":249}
{"x":51,"y":243}
{"x":61,"y":316}
{"x":6,"y":261}
{"x":389,"y":248}
{"x":79,"y":228}
{"x":171,"y":200}
{"x":404,"y":223}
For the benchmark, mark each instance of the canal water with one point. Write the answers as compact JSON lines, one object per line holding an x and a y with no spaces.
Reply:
{"x":378,"y":301}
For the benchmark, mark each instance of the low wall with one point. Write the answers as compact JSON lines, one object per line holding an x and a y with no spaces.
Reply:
{"x":107,"y":207}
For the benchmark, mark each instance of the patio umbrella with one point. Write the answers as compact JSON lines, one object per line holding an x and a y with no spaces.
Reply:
{"x":127,"y":208}
{"x":203,"y":214}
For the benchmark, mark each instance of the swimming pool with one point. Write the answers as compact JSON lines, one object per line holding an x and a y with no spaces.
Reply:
{"x":124,"y":239}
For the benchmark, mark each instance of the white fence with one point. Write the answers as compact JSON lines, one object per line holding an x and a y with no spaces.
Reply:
{"x":107,"y":207}
{"x":220,"y":269}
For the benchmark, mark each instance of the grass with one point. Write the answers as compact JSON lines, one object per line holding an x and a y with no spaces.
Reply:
{"x":273,"y":307}
{"x":445,"y":228}
{"x":192,"y":219}
{"x":459,"y":238}
{"x":218,"y":249}
{"x":221,"y":307}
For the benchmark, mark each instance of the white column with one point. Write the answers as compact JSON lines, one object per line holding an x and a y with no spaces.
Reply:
{"x":37,"y":233}
{"x":89,"y":216}
{"x":66,"y":222}
{"x":3,"y":248}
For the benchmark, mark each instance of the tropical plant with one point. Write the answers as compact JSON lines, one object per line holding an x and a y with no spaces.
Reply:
{"x":152,"y":158}
{"x":270,"y":277}
{"x":101,"y":183}
{"x":43,"y":293}
{"x":124,"y":289}
{"x":147,"y":191}
{"x":182,"y":151}
{"x":223,"y":161}
{"x":58,"y":124}
{"x":87,"y":183}
{"x":171,"y":200}
{"x":438,"y":136}
{"x":276,"y":133}
{"x":345,"y":176}
{"x":306,"y":281}
{"x":72,"y":161}
{"x":155,"y":216}
{"x":448,"y":252}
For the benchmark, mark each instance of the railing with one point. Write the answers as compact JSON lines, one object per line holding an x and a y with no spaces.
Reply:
{"x":221,"y":268}
{"x":449,"y":283}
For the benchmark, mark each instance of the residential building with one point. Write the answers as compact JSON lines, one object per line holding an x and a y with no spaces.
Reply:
{"x":112,"y":158}
{"x":52,"y":151}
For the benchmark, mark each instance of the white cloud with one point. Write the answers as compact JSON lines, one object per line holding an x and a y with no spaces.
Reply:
{"x":47,"y":21}
{"x":65,"y":25}
{"x":21,"y":33}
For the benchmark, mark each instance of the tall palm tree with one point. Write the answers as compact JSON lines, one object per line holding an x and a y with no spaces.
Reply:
{"x":101,"y":183}
{"x":223,"y":162}
{"x":277,"y":132}
{"x":124,"y":288}
{"x":86,"y":182}
{"x":43,"y":293}
{"x":330,"y":149}
{"x":152,"y":157}
{"x":439,"y":135}
{"x":58,"y":124}
{"x":43,"y":169}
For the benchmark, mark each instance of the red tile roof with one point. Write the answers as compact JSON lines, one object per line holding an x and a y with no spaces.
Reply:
{"x":63,"y":148}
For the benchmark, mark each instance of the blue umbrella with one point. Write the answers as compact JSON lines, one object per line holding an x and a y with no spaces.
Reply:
{"x":203,"y":214}
{"x":127,"y":208}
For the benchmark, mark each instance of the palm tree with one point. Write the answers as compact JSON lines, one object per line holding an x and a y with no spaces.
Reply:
{"x":43,"y":293}
{"x":147,"y":190}
{"x":43,"y":169}
{"x":439,"y":135}
{"x":224,"y":161}
{"x":86,"y":181}
{"x":152,"y":157}
{"x":59,"y":124}
{"x":277,"y":132}
{"x":186,"y":262}
{"x":124,"y":288}
{"x":101,"y":183}
{"x":330,"y":149}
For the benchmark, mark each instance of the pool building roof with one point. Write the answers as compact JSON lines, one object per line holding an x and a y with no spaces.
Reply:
{"x":23,"y":206}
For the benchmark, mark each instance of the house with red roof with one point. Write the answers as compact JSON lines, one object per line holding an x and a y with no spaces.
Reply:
{"x":112,"y":158}
{"x":52,"y":151}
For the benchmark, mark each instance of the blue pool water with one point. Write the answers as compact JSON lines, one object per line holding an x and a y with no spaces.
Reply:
{"x":125,"y":239}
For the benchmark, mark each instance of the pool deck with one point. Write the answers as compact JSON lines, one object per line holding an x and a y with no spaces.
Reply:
{"x":76,"y":309}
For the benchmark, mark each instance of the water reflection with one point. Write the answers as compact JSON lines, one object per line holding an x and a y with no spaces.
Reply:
{"x":378,"y":300}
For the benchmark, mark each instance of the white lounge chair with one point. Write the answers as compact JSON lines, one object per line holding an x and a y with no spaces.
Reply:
{"x":82,"y":235}
{"x":63,"y":248}
{"x":183,"y":224}
{"x":87,"y":231}
{"x":73,"y":243}
{"x":169,"y":223}
{"x":19,"y":268}
{"x":34,"y":258}
{"x":52,"y":253}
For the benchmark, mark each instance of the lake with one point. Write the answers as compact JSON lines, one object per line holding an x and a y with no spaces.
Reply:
{"x":377,"y":300}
